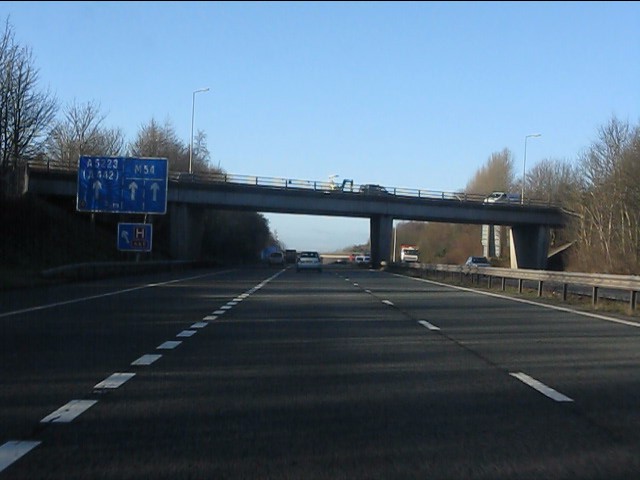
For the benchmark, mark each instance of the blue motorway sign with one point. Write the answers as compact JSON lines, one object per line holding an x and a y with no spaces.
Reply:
{"x":135,"y":237}
{"x":122,"y":185}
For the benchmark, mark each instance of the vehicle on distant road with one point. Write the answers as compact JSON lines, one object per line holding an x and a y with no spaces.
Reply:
{"x":276,"y":258}
{"x":502,"y":197}
{"x":371,"y":189}
{"x":290,"y":256}
{"x":477,"y":262}
{"x":363,"y":259}
{"x":409,"y":253}
{"x":309,"y":261}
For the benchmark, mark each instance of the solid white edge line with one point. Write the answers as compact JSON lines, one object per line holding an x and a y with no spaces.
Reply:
{"x":108,"y":294}
{"x":528,"y":302}
{"x":13,"y":450}
{"x":541,"y":387}
{"x":69,"y":412}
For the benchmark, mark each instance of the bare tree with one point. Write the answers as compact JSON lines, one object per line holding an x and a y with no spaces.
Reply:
{"x":555,"y":181}
{"x":25,"y":112}
{"x":496,"y":175}
{"x":154,"y":140}
{"x":609,"y":230}
{"x":558,"y":183}
{"x":81,"y":133}
{"x":201,"y":155}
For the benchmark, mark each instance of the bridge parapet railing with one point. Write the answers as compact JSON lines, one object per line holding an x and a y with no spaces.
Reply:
{"x":347,"y":186}
{"x":329,"y":187}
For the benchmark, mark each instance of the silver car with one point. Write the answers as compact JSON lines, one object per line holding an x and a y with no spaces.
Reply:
{"x":309,"y":261}
{"x":477,"y":262}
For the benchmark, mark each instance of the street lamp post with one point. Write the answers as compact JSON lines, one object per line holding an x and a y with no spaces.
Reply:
{"x":193,"y":110}
{"x":524,"y":164}
{"x":395,"y":241}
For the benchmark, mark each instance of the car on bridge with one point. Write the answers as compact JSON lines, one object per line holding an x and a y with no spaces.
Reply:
{"x":372,"y":189}
{"x":502,"y":197}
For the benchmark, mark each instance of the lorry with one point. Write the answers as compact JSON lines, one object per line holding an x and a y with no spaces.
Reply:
{"x":409,"y":253}
{"x":290,"y":255}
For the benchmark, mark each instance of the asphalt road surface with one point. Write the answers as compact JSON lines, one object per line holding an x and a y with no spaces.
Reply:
{"x":348,"y":374}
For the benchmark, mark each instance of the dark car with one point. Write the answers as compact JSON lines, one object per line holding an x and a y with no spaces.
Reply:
{"x":372,"y":189}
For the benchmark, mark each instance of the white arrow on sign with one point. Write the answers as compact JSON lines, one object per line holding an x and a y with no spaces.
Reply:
{"x":133,"y":186}
{"x":96,"y":189}
{"x":154,"y":190}
{"x":125,"y":235}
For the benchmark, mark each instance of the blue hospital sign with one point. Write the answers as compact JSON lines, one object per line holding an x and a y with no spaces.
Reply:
{"x":122,"y":185}
{"x":135,"y":237}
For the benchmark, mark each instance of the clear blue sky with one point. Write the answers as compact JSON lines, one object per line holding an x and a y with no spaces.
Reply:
{"x":404,"y":94}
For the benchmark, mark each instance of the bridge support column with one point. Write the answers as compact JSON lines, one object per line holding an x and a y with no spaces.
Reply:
{"x":186,"y":231}
{"x":529,"y":246}
{"x":381,"y":234}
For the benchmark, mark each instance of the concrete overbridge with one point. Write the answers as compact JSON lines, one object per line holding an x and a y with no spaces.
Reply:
{"x":189,"y":195}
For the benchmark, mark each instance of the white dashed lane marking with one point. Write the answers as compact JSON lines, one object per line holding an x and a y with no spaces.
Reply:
{"x":69,"y":412}
{"x":428,"y":325}
{"x":115,"y":380}
{"x":170,"y":345}
{"x":13,"y":450}
{"x":146,"y":359}
{"x":186,"y":333}
{"x":541,"y":387}
{"x":388,"y":302}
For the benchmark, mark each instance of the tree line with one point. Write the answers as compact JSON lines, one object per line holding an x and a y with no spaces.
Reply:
{"x":35,"y":128}
{"x":599,"y":191}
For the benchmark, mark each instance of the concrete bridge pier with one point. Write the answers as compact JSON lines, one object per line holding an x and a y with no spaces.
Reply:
{"x":186,"y":231}
{"x":381,"y":233}
{"x":529,"y":246}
